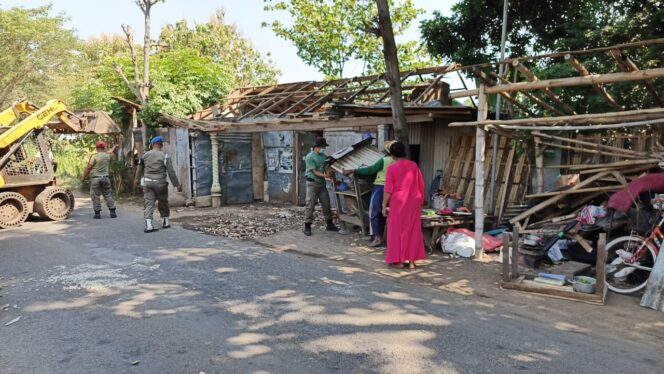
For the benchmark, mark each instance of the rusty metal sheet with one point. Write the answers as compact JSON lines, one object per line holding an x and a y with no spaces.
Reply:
{"x":362,"y":153}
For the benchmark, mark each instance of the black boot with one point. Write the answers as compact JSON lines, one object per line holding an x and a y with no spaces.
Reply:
{"x":97,"y":214}
{"x":331,"y":226}
{"x":307,"y":229}
{"x":113,"y":214}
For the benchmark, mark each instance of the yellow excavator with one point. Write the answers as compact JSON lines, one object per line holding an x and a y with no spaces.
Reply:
{"x":27,"y":175}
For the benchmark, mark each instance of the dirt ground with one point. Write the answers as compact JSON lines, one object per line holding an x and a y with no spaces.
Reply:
{"x":279,"y":227}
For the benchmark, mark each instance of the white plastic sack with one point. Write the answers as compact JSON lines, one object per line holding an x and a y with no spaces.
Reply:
{"x":459,"y":244}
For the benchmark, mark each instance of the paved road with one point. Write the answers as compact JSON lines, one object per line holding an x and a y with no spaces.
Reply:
{"x":102,"y":297}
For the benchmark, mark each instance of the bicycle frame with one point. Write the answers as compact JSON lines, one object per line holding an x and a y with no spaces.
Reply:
{"x":655,"y":240}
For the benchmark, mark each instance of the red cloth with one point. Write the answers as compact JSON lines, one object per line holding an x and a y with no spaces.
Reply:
{"x":622,"y":200}
{"x":404,"y":227}
{"x":489,"y":243}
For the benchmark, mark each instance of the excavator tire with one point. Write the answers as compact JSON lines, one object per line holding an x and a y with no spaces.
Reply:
{"x":13,"y":209}
{"x":54,"y":203}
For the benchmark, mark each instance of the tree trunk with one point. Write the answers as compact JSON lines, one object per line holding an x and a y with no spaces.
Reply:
{"x":145,"y":87}
{"x":147,"y":45}
{"x":392,"y":72}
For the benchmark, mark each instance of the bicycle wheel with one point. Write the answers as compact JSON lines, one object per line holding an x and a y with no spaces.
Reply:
{"x":621,"y":275}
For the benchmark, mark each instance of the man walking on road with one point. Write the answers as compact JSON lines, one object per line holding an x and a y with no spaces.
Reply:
{"x":100,"y":183}
{"x":154,"y":168}
{"x":316,"y":188}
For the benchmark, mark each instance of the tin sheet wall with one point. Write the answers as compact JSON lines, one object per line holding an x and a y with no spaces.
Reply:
{"x":235,"y":175}
{"x":279,"y":164}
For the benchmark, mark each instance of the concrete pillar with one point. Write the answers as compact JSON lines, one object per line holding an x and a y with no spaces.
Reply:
{"x":216,"y":187}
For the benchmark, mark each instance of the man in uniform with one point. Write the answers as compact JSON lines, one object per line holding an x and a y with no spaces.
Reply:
{"x":100,"y":184}
{"x":154,"y":167}
{"x":316,"y":188}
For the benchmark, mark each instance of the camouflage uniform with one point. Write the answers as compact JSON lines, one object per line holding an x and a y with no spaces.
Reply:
{"x":100,"y":184}
{"x":155,"y":165}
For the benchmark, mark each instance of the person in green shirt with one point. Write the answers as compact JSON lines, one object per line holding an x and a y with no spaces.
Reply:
{"x":100,"y":183}
{"x":316,"y":188}
{"x":376,"y":218}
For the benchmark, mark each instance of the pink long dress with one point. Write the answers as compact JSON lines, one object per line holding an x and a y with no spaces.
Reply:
{"x":404,"y":229}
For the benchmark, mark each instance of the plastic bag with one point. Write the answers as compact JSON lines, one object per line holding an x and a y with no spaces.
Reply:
{"x":459,"y":244}
{"x":489,"y":243}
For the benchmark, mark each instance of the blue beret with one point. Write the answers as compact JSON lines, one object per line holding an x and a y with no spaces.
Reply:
{"x":157,"y":139}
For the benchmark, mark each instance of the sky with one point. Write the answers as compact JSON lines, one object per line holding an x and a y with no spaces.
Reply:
{"x":95,"y":17}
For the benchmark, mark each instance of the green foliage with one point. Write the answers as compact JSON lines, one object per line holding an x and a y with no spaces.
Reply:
{"x":471,"y":35}
{"x":37,"y":55}
{"x":330,"y":33}
{"x":223,"y":45}
{"x":191,"y":69}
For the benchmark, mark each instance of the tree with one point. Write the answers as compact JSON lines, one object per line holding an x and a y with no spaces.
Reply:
{"x":471,"y":35}
{"x":330,"y":33}
{"x":392,"y":67}
{"x":224,"y":45}
{"x":37,"y":55}
{"x":191,"y":68}
{"x":141,"y":86}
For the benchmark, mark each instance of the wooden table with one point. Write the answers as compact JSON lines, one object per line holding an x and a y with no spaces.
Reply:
{"x":433,"y":227}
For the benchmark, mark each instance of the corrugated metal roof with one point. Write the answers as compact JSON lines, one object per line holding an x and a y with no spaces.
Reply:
{"x":357,"y":155}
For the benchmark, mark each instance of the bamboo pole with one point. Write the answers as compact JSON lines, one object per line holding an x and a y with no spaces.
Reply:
{"x":533,"y":79}
{"x":601,"y":118}
{"x":482,"y":112}
{"x":591,"y":151}
{"x":578,"y":81}
{"x":627,"y":65}
{"x":557,"y":198}
{"x":614,"y":164}
{"x":572,"y":192}
{"x":596,"y":145}
{"x":599,"y":89}
{"x":539,"y":164}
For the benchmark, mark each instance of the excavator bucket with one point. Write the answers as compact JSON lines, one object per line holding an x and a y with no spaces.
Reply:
{"x":88,"y":122}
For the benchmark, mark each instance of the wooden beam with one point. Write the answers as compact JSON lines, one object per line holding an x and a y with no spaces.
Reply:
{"x":304,"y":99}
{"x":599,"y":89}
{"x":641,"y":43}
{"x":557,"y":198}
{"x":602,"y":118}
{"x":387,"y":90}
{"x":490,"y":82}
{"x":318,"y":103}
{"x":627,"y":65}
{"x":589,"y":144}
{"x":571,"y":192}
{"x":289,"y":125}
{"x":262,"y":106}
{"x":591,"y":151}
{"x":579,"y":81}
{"x":547,"y":91}
{"x":530,"y":96}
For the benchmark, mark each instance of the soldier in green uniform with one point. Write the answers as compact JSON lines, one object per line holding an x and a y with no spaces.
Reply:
{"x":154,"y":167}
{"x":100,"y":184}
{"x":316,"y":188}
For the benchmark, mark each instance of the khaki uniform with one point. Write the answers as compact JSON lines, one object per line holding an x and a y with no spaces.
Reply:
{"x":155,"y":166}
{"x":316,"y":188}
{"x":100,"y":183}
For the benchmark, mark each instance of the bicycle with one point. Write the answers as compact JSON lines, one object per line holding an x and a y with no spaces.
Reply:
{"x":630,"y":259}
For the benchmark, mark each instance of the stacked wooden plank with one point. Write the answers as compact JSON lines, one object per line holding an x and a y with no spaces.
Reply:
{"x":602,"y":164}
{"x":512,"y":172}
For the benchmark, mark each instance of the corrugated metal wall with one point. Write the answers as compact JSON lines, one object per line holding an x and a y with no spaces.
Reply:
{"x":434,"y":140}
{"x":234,"y":167}
{"x":279,"y":165}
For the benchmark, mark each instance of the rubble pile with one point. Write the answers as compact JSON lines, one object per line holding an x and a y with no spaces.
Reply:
{"x":250,"y":223}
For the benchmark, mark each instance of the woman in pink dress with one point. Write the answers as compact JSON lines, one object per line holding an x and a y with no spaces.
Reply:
{"x":404,"y":194}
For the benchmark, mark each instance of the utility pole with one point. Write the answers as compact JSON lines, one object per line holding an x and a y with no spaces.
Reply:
{"x":501,"y":69}
{"x":392,"y":73}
